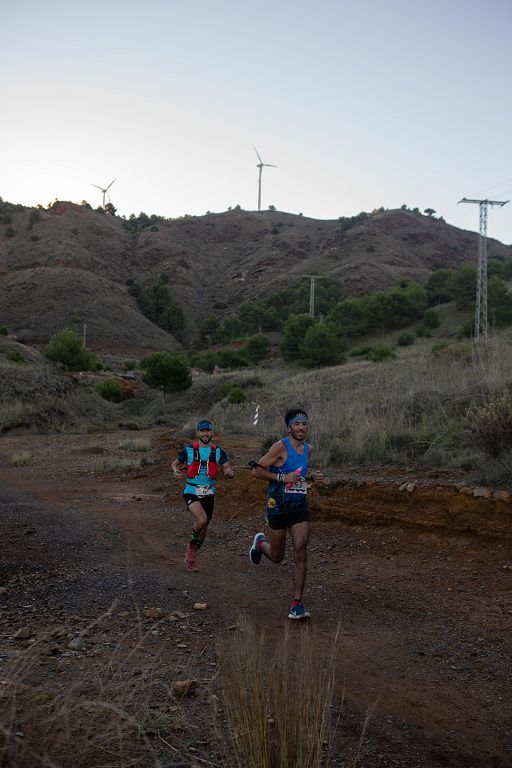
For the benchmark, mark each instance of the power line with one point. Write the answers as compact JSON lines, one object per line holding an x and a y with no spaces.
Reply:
{"x":481,"y":283}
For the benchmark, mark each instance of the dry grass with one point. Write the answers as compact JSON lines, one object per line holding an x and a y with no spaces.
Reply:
{"x":114,"y":466}
{"x":22,"y":459}
{"x":397,"y":411}
{"x":135,"y":445}
{"x":115,"y":713}
{"x":276,"y":699}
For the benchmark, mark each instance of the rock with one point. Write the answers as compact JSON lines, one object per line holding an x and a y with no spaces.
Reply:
{"x":410,"y":487}
{"x":182,"y":688}
{"x":200,"y":606}
{"x":178,"y":616}
{"x":77,"y":643}
{"x":403,"y":487}
{"x":466,"y":490}
{"x":498,"y":495}
{"x":482,"y":492}
{"x":23,"y":633}
{"x":155,"y":614}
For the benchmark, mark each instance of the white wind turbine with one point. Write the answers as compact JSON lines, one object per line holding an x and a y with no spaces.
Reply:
{"x":260,"y":166}
{"x":104,"y":190}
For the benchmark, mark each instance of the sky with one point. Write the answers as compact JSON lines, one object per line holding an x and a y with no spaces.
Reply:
{"x":358,"y":104}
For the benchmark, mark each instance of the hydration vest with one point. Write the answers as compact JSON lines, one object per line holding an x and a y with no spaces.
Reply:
{"x":212,"y":468}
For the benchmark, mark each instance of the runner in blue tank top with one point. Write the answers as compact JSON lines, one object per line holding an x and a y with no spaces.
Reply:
{"x":285,"y":468}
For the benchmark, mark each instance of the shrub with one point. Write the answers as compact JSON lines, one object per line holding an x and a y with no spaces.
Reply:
{"x":439,"y":346}
{"x":167,"y":371}
{"x":321,"y":347}
{"x":3,"y":330}
{"x":360,"y":351}
{"x":23,"y":459}
{"x":405,"y":339}
{"x":423,"y":331}
{"x":205,"y":361}
{"x":236,"y":395}
{"x":257,"y":348}
{"x":431,"y":319}
{"x":110,"y":390}
{"x":34,"y":238}
{"x":380,"y":352}
{"x":10,"y":232}
{"x":491,"y":426}
{"x":66,"y":347}
{"x":15,"y":357}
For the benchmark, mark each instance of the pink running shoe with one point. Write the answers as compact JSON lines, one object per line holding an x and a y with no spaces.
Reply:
{"x":190,"y":559}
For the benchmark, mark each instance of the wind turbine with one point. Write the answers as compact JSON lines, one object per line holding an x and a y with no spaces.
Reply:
{"x":260,"y":166}
{"x":104,"y":190}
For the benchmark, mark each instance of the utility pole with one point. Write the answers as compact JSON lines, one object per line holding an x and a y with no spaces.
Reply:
{"x":481,"y":282}
{"x":311,"y":294}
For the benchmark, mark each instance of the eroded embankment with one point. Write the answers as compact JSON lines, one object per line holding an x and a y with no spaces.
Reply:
{"x":381,"y":502}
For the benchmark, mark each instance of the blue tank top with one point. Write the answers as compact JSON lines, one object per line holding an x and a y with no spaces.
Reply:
{"x":279,"y":496}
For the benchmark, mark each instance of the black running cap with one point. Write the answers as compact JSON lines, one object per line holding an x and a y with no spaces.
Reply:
{"x":293,"y":413}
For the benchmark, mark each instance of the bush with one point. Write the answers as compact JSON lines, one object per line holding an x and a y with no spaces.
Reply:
{"x":360,"y":351}
{"x":166,"y":371}
{"x":236,"y":395}
{"x":3,"y":330}
{"x":110,"y":390}
{"x":491,"y":426}
{"x":66,"y":347}
{"x":405,"y":339}
{"x":321,"y":347}
{"x":431,"y":319}
{"x":423,"y":331}
{"x":15,"y":357}
{"x":380,"y":352}
{"x":439,"y":346}
{"x":205,"y":361}
{"x":34,"y":238}
{"x":10,"y":232}
{"x":257,"y":348}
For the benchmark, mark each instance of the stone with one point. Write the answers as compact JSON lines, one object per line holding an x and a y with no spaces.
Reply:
{"x":482,"y":492}
{"x":77,"y":643}
{"x":466,"y":490}
{"x":155,"y":614}
{"x":23,"y":633}
{"x":182,"y":688}
{"x":200,"y":606}
{"x":498,"y":495}
{"x":410,"y":487}
{"x":403,"y":487}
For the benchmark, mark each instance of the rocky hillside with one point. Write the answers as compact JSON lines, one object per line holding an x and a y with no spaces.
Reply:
{"x":71,"y":265}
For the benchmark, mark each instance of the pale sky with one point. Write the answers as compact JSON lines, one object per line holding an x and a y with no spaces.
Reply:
{"x":359,"y":104}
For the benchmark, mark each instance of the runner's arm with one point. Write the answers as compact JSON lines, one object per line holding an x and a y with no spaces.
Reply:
{"x":228,"y":469}
{"x":316,"y":476}
{"x":274,"y":457}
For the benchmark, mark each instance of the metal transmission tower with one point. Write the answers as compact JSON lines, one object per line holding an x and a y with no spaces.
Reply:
{"x":311,"y":294}
{"x":481,"y":283}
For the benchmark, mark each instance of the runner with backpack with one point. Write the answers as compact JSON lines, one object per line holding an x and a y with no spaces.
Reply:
{"x":201,"y":460}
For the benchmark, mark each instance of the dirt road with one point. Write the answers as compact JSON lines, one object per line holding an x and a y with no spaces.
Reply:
{"x":420,"y":586}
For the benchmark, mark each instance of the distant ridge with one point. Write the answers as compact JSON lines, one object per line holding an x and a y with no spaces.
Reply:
{"x":70,"y":264}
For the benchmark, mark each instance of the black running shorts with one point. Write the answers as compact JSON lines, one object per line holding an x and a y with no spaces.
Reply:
{"x":205,"y":501}
{"x":288,"y":518}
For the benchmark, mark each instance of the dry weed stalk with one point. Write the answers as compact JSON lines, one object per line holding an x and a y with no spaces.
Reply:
{"x":277,"y":700}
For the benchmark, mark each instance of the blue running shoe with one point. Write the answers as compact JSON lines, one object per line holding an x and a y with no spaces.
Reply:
{"x":254,"y":553}
{"x":297,"y":611}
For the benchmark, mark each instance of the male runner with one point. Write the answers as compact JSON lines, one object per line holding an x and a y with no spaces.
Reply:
{"x":285,"y":467}
{"x":201,"y":460}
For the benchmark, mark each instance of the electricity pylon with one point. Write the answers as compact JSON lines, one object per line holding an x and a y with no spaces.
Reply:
{"x":481,"y":282}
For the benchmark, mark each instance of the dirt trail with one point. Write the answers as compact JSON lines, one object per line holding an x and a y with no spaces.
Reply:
{"x":420,"y":584}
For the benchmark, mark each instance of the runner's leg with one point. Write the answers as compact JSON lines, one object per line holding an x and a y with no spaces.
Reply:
{"x":300,"y":536}
{"x":274,"y":545}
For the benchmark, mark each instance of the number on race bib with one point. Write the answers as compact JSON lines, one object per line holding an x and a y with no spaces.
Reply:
{"x":203,"y":490}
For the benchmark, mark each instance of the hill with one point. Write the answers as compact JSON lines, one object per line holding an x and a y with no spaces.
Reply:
{"x":70,"y":265}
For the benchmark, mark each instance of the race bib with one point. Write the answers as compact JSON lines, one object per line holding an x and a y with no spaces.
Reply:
{"x":300,"y":486}
{"x":204,"y":490}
